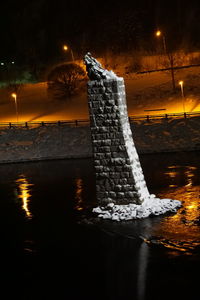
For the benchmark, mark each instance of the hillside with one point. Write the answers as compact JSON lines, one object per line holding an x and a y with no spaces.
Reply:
{"x":145,"y":92}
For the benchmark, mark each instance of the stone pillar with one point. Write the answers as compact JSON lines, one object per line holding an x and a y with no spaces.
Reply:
{"x":119,"y":176}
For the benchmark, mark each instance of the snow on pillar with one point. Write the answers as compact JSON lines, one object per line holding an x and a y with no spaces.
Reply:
{"x":121,"y":189}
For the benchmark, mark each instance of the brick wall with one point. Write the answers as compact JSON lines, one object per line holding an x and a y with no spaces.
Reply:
{"x":119,"y":177}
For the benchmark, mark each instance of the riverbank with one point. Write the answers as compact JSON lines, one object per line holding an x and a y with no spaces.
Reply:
{"x":59,"y":142}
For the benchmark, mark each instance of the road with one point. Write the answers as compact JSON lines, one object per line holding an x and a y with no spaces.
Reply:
{"x":144,"y":92}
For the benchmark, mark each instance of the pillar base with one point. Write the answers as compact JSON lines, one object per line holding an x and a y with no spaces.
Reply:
{"x":151,"y":207}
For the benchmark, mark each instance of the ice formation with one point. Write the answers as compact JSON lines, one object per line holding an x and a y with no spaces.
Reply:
{"x":151,"y":206}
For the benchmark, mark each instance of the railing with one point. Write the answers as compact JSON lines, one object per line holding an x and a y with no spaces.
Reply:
{"x":166,"y":116}
{"x":85,"y":122}
{"x":70,"y":123}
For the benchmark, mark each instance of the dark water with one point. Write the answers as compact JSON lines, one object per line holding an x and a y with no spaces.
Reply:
{"x":52,"y":247}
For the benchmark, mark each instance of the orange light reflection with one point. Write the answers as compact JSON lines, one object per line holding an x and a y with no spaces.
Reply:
{"x":24,"y":194}
{"x":78,"y":196}
{"x":181,"y":231}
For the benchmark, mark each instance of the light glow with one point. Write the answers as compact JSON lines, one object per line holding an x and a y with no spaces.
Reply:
{"x":14,"y":95}
{"x":65,"y":48}
{"x":24,"y":194}
{"x":158,"y":33}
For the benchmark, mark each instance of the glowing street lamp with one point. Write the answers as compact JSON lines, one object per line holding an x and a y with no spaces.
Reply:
{"x":182,"y":94}
{"x":160,"y":34}
{"x":14,"y":95}
{"x":66,"y":48}
{"x":169,"y":55}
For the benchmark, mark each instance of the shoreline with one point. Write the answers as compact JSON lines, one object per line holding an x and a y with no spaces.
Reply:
{"x":64,"y":142}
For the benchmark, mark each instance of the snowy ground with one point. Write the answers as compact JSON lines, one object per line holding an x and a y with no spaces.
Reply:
{"x":144,"y":92}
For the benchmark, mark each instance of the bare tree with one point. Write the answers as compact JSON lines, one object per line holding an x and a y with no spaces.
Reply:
{"x":66,"y":80}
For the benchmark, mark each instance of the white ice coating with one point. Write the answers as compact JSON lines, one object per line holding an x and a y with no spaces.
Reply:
{"x":140,"y":183}
{"x":150,"y":204}
{"x":154,"y":206}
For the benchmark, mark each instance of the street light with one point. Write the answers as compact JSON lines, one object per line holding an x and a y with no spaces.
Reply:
{"x":169,"y":55}
{"x":66,"y":48}
{"x":158,"y":34}
{"x":182,"y":94}
{"x":14,"y":95}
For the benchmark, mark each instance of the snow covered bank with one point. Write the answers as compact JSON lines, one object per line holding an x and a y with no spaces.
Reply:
{"x":152,"y":206}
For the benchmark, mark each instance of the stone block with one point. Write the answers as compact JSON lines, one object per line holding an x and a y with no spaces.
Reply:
{"x":112,"y":195}
{"x":120,"y":194}
{"x":103,"y":149}
{"x":121,"y":148}
{"x":107,"y":96}
{"x":99,"y":156}
{"x":105,"y":162}
{"x":119,"y":155}
{"x":108,"y":155}
{"x":119,"y":161}
{"x":96,"y":104}
{"x":102,"y":175}
{"x":97,"y":162}
{"x":99,"y":169}
{"x":115,"y":175}
{"x":118,"y":187}
{"x":110,"y":102}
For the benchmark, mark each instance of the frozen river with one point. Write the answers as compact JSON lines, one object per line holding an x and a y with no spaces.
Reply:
{"x":54,"y":248}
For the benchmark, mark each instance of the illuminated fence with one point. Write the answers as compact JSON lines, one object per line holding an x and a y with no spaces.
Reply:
{"x":70,"y":123}
{"x":85,"y":122}
{"x":166,"y":117}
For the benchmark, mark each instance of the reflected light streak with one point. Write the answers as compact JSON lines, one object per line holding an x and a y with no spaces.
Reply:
{"x":24,"y":194}
{"x":181,"y":230}
{"x":171,"y":174}
{"x":189,"y":174}
{"x":78,"y":195}
{"x":173,"y":231}
{"x":175,"y":171}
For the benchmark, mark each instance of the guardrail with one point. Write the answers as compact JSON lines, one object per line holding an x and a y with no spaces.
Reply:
{"x":85,"y":122}
{"x":166,"y":116}
{"x":70,"y":123}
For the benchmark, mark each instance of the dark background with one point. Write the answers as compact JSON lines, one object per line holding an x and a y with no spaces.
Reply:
{"x":36,"y":30}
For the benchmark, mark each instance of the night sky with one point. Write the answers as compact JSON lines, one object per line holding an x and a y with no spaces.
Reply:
{"x":36,"y":30}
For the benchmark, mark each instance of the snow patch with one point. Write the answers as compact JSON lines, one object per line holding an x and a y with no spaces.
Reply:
{"x":109,"y":75}
{"x":152,"y":206}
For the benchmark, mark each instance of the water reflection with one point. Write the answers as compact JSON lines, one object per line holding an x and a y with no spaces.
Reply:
{"x":189,"y":174}
{"x":24,"y":194}
{"x":142,"y":271}
{"x":78,"y":194}
{"x":181,"y":230}
{"x":178,"y":173}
